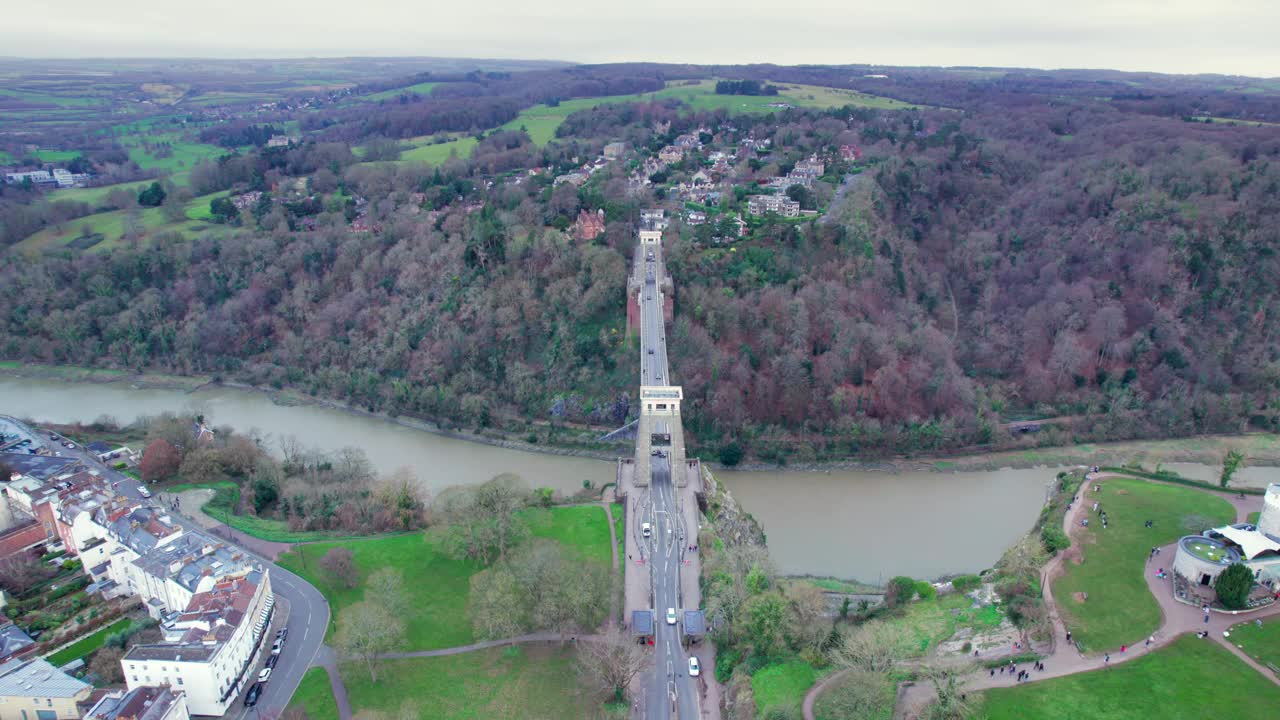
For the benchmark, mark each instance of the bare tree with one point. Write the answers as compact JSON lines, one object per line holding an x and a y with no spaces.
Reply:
{"x":859,"y":694}
{"x":366,"y":630}
{"x":386,"y":587}
{"x":341,"y":564}
{"x":611,"y":660}
{"x":872,"y":646}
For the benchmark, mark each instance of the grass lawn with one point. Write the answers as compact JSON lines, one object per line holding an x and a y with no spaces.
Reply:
{"x":440,"y":584}
{"x":1192,"y":679}
{"x":315,"y":696}
{"x":1260,"y":643}
{"x":1119,"y":608}
{"x":522,"y":682}
{"x":87,"y":644}
{"x":783,"y":685}
{"x":581,"y":527}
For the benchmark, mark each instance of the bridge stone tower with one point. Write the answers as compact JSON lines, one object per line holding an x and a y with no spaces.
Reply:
{"x":660,"y":429}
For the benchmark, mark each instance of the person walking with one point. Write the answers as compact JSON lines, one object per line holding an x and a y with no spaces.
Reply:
{"x":1068,"y":636}
{"x":1106,"y":659}
{"x":1151,"y":640}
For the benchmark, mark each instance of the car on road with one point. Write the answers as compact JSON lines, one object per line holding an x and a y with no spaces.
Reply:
{"x":694,"y":668}
{"x":251,"y":698}
{"x":646,"y":529}
{"x":671,"y":616}
{"x":272,"y":660}
{"x":282,"y":634}
{"x":650,"y":351}
{"x":144,"y":492}
{"x":265,"y":675}
{"x":277,"y":647}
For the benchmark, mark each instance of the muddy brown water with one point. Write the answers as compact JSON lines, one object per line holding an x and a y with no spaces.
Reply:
{"x":865,"y":525}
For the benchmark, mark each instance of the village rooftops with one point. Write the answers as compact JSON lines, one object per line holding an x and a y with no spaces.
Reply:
{"x":40,"y":467}
{"x":144,"y":703}
{"x":217,"y":612}
{"x":37,"y":678}
{"x":13,"y":640}
{"x":137,"y":528}
{"x":193,"y":556}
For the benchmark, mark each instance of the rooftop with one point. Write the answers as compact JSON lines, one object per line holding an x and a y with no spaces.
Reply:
{"x":13,"y":639}
{"x":41,"y":467}
{"x":173,"y":652}
{"x":37,"y":678}
{"x":143,"y":703}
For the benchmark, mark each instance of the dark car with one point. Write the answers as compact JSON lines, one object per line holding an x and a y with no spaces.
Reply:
{"x":251,"y":698}
{"x":272,"y":660}
{"x":282,"y":633}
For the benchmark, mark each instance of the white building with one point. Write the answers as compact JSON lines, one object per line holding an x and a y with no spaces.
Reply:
{"x":780,"y":204}
{"x":211,"y":646}
{"x":1201,"y":558}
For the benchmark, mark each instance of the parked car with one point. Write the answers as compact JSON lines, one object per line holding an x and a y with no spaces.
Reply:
{"x":671,"y":616}
{"x":272,"y":660}
{"x":265,"y":675}
{"x":277,"y":647}
{"x":143,"y":491}
{"x":282,"y":634}
{"x":694,"y":668}
{"x":251,"y":698}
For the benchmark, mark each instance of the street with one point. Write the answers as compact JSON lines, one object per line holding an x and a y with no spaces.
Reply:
{"x":670,"y":688}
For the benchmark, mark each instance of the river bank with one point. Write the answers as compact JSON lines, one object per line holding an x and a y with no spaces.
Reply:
{"x":1259,"y":448}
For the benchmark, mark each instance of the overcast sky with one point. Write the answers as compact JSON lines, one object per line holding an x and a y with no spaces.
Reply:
{"x":1181,"y":36}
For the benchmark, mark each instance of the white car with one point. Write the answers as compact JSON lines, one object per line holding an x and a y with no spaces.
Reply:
{"x":144,"y":492}
{"x":646,"y":529}
{"x":671,"y":616}
{"x":265,"y":675}
{"x":694,"y":668}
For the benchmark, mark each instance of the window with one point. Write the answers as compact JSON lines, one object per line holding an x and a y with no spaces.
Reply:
{"x":179,"y":679}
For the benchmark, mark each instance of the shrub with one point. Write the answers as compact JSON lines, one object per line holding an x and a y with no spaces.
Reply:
{"x":965,"y":583}
{"x":926,"y":590}
{"x":1054,"y":539}
{"x":731,"y":454}
{"x":900,"y":591}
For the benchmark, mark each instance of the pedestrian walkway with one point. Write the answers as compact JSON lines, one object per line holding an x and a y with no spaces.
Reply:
{"x":328,"y":659}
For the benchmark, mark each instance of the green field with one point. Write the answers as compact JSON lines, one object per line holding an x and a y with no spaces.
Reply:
{"x":1120,"y":608}
{"x":39,"y":98}
{"x":55,"y":156}
{"x":1260,"y":643}
{"x":87,"y":644}
{"x":95,"y":195}
{"x":438,"y":618}
{"x":532,"y":683}
{"x":438,"y":153}
{"x":315,"y":696}
{"x":441,"y":585}
{"x":1192,"y":679}
{"x":419,"y":89}
{"x":783,"y":685}
{"x":580,"y":527}
{"x":111,"y":225}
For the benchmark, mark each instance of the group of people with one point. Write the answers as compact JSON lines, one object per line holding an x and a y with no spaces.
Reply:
{"x":1014,"y":672}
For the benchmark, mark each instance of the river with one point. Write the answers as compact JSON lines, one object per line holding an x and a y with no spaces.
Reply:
{"x":863,"y":525}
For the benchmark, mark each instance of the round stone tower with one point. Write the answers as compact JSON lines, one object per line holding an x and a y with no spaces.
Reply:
{"x":1269,"y":520}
